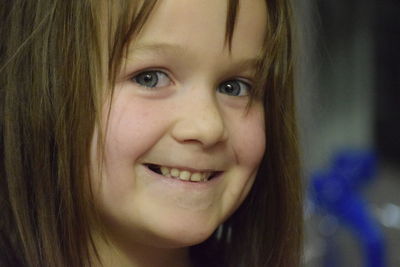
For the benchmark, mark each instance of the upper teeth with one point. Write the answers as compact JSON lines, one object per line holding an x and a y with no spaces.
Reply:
{"x":185,"y":175}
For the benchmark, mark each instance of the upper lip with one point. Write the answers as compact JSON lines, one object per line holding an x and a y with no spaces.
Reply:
{"x":184,"y":168}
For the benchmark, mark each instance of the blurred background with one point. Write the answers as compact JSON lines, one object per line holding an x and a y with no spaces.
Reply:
{"x":349,"y":110}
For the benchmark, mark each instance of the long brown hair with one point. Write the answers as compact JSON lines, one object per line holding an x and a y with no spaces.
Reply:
{"x":51,"y":86}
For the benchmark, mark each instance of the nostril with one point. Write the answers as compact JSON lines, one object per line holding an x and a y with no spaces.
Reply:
{"x":203,"y":128}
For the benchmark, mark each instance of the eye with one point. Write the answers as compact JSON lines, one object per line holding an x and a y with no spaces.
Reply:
{"x":234,"y":88}
{"x":152,"y":79}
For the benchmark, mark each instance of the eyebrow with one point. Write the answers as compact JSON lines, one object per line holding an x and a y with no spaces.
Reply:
{"x":159,"y":48}
{"x":162,"y":49}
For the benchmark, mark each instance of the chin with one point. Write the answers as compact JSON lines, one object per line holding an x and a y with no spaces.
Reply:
{"x":182,"y":236}
{"x":181,"y":241}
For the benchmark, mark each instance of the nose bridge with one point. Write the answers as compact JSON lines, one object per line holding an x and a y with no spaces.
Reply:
{"x":200,"y":120}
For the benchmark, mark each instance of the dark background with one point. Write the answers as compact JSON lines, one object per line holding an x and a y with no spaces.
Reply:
{"x":349,"y":98}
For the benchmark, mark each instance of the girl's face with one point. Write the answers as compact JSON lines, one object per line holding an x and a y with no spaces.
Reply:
{"x":179,"y":109}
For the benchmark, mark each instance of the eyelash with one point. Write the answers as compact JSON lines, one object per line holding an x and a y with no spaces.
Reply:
{"x":224,"y":87}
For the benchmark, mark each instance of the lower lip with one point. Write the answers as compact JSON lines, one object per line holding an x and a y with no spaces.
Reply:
{"x":189,"y":185}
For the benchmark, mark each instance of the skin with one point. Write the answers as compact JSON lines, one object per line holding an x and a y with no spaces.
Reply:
{"x":186,"y":121}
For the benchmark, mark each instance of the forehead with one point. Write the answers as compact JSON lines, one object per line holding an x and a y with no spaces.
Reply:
{"x":201,"y":25}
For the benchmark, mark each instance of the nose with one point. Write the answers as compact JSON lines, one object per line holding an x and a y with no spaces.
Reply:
{"x":201,"y":121}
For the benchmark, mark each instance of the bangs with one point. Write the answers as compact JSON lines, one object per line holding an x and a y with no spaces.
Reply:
{"x":262,"y":69}
{"x":129,"y":17}
{"x":230,"y":21}
{"x":127,"y":20}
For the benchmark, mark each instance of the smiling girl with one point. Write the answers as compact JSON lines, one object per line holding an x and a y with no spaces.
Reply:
{"x":148,"y":133}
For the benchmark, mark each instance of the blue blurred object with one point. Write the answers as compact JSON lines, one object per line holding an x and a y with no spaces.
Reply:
{"x":337,"y":192}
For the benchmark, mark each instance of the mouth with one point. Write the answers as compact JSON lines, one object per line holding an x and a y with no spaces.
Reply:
{"x":183,"y":174}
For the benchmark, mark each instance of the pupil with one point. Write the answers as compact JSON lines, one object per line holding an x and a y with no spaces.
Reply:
{"x":232,"y":88}
{"x":147,"y":79}
{"x":229,"y":88}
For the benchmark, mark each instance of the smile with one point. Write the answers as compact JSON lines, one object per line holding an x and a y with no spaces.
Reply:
{"x":184,"y":175}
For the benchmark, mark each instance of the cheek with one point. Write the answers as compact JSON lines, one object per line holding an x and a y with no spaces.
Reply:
{"x":248,"y":143}
{"x":249,"y":138}
{"x":133,"y":128}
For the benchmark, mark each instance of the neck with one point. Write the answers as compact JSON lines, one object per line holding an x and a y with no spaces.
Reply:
{"x":139,"y":255}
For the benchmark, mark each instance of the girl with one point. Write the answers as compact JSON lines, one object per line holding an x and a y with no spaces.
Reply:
{"x":148,"y":133}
